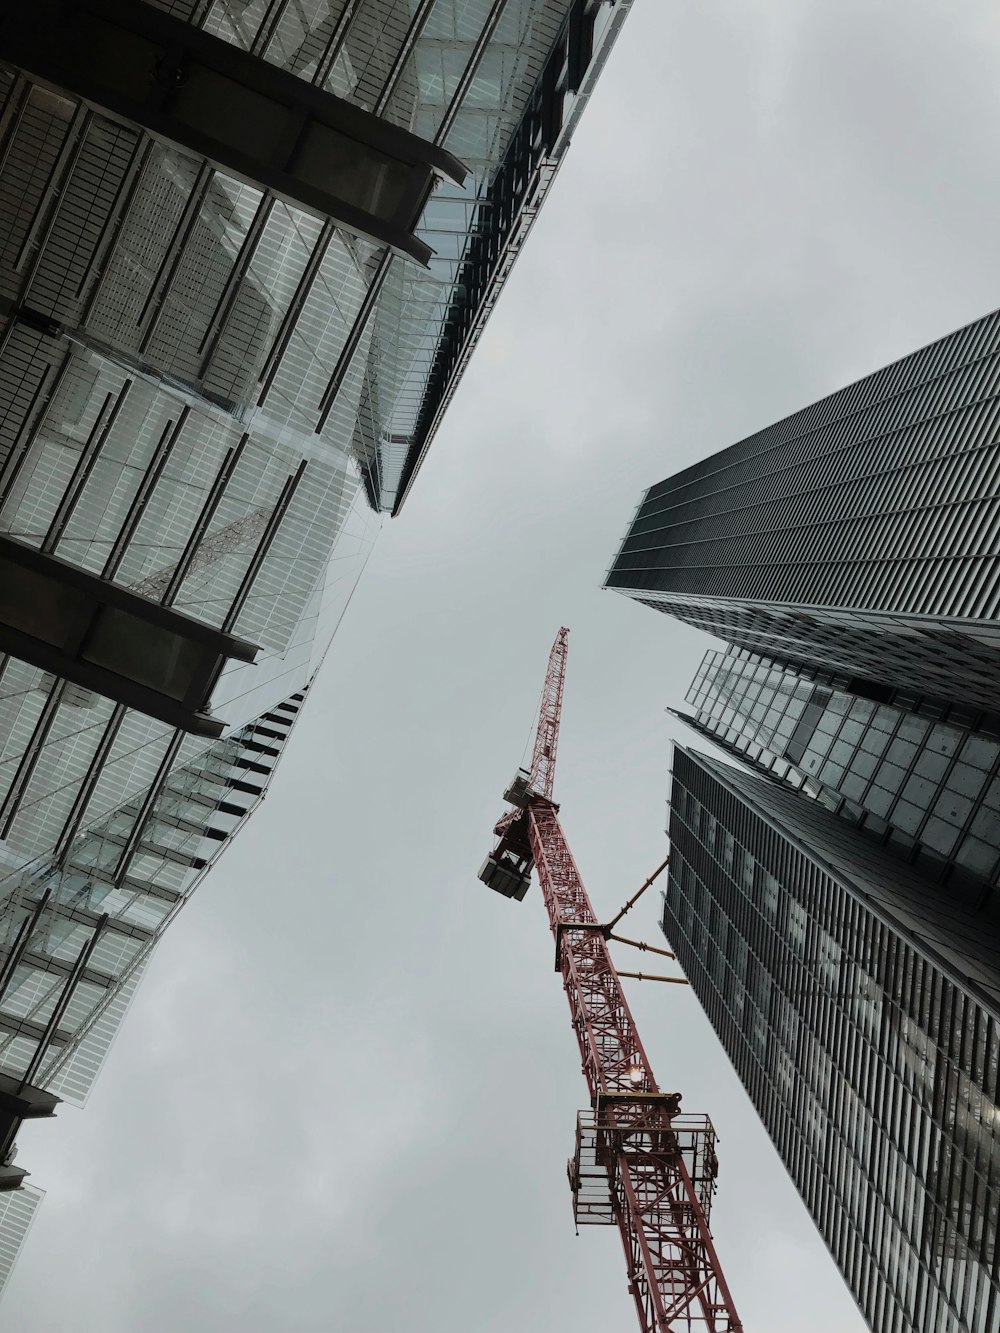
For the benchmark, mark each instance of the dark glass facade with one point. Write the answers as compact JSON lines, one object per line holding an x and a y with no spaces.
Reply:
{"x":926,"y":787}
{"x":862,"y":1012}
{"x":859,"y":535}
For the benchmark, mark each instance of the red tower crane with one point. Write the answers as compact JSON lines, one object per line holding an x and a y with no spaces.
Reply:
{"x":639,"y":1163}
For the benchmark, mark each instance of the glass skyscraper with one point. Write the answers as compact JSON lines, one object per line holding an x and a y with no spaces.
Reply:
{"x":861,"y":1009}
{"x":246,"y":250}
{"x":859,"y":535}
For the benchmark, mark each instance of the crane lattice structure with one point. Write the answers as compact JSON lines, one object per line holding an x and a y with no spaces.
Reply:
{"x":639,"y":1163}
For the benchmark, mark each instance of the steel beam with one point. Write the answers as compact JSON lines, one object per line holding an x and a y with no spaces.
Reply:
{"x":245,"y":116}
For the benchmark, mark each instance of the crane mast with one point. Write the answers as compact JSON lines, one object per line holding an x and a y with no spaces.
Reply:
{"x":638,"y":1162}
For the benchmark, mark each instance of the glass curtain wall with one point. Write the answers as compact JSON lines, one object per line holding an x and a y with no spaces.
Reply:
{"x":135,"y":862}
{"x":927,"y":788}
{"x":864,"y":1020}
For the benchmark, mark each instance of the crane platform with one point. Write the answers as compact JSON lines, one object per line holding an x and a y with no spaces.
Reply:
{"x":601,"y":1137}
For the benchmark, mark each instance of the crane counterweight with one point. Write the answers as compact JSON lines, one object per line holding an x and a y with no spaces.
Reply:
{"x":519,"y":791}
{"x":638,"y":1163}
{"x":505,"y":875}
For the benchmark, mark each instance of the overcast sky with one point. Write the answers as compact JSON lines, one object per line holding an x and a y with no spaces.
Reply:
{"x":344,"y":1098}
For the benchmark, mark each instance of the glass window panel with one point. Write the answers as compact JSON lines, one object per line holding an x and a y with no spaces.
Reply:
{"x":991,"y":796}
{"x":945,"y":740}
{"x":889,"y":776}
{"x":920,"y":791}
{"x":878,"y":800}
{"x":986,"y":825}
{"x":135,"y":262}
{"x":851,"y":731}
{"x":931,"y":765}
{"x":172,"y":509}
{"x":907,"y":816}
{"x":874,"y":742}
{"x":952,"y":807}
{"x":980,"y":752}
{"x":841,"y":752}
{"x":885,"y":719}
{"x":63,"y":763}
{"x":119,"y":470}
{"x":198,"y":284}
{"x":913,"y":728}
{"x":976,"y":856}
{"x":264,"y":296}
{"x":901,"y":752}
{"x":966,"y":780}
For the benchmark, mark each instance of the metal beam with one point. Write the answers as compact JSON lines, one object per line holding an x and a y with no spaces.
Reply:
{"x":104,"y":637}
{"x":241,"y":114}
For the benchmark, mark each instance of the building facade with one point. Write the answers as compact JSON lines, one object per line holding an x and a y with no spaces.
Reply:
{"x":861,"y":1010}
{"x":858,"y":536}
{"x":246,"y":251}
{"x":924,"y":785}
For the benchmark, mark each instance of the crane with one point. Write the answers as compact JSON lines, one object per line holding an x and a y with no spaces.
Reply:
{"x":638,"y":1162}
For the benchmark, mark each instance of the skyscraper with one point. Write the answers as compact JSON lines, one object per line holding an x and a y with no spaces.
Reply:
{"x":836,"y":910}
{"x":862,"y":1012}
{"x":857,"y":536}
{"x":245,"y":253}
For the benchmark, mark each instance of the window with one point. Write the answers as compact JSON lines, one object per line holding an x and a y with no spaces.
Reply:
{"x":878,"y":800}
{"x":931,"y":765}
{"x":966,"y":780}
{"x":885,"y":719}
{"x":976,"y":856}
{"x":874,"y":742}
{"x":851,"y":732}
{"x":952,"y":807}
{"x":901,"y":752}
{"x":906,"y":816}
{"x":920,"y":791}
{"x":980,"y":752}
{"x":728,"y":848}
{"x":913,"y":729}
{"x":986,"y":826}
{"x":944,"y":740}
{"x":889,"y":776}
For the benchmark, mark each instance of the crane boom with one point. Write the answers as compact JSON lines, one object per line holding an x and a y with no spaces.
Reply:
{"x":638,"y":1163}
{"x":543,"y":755}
